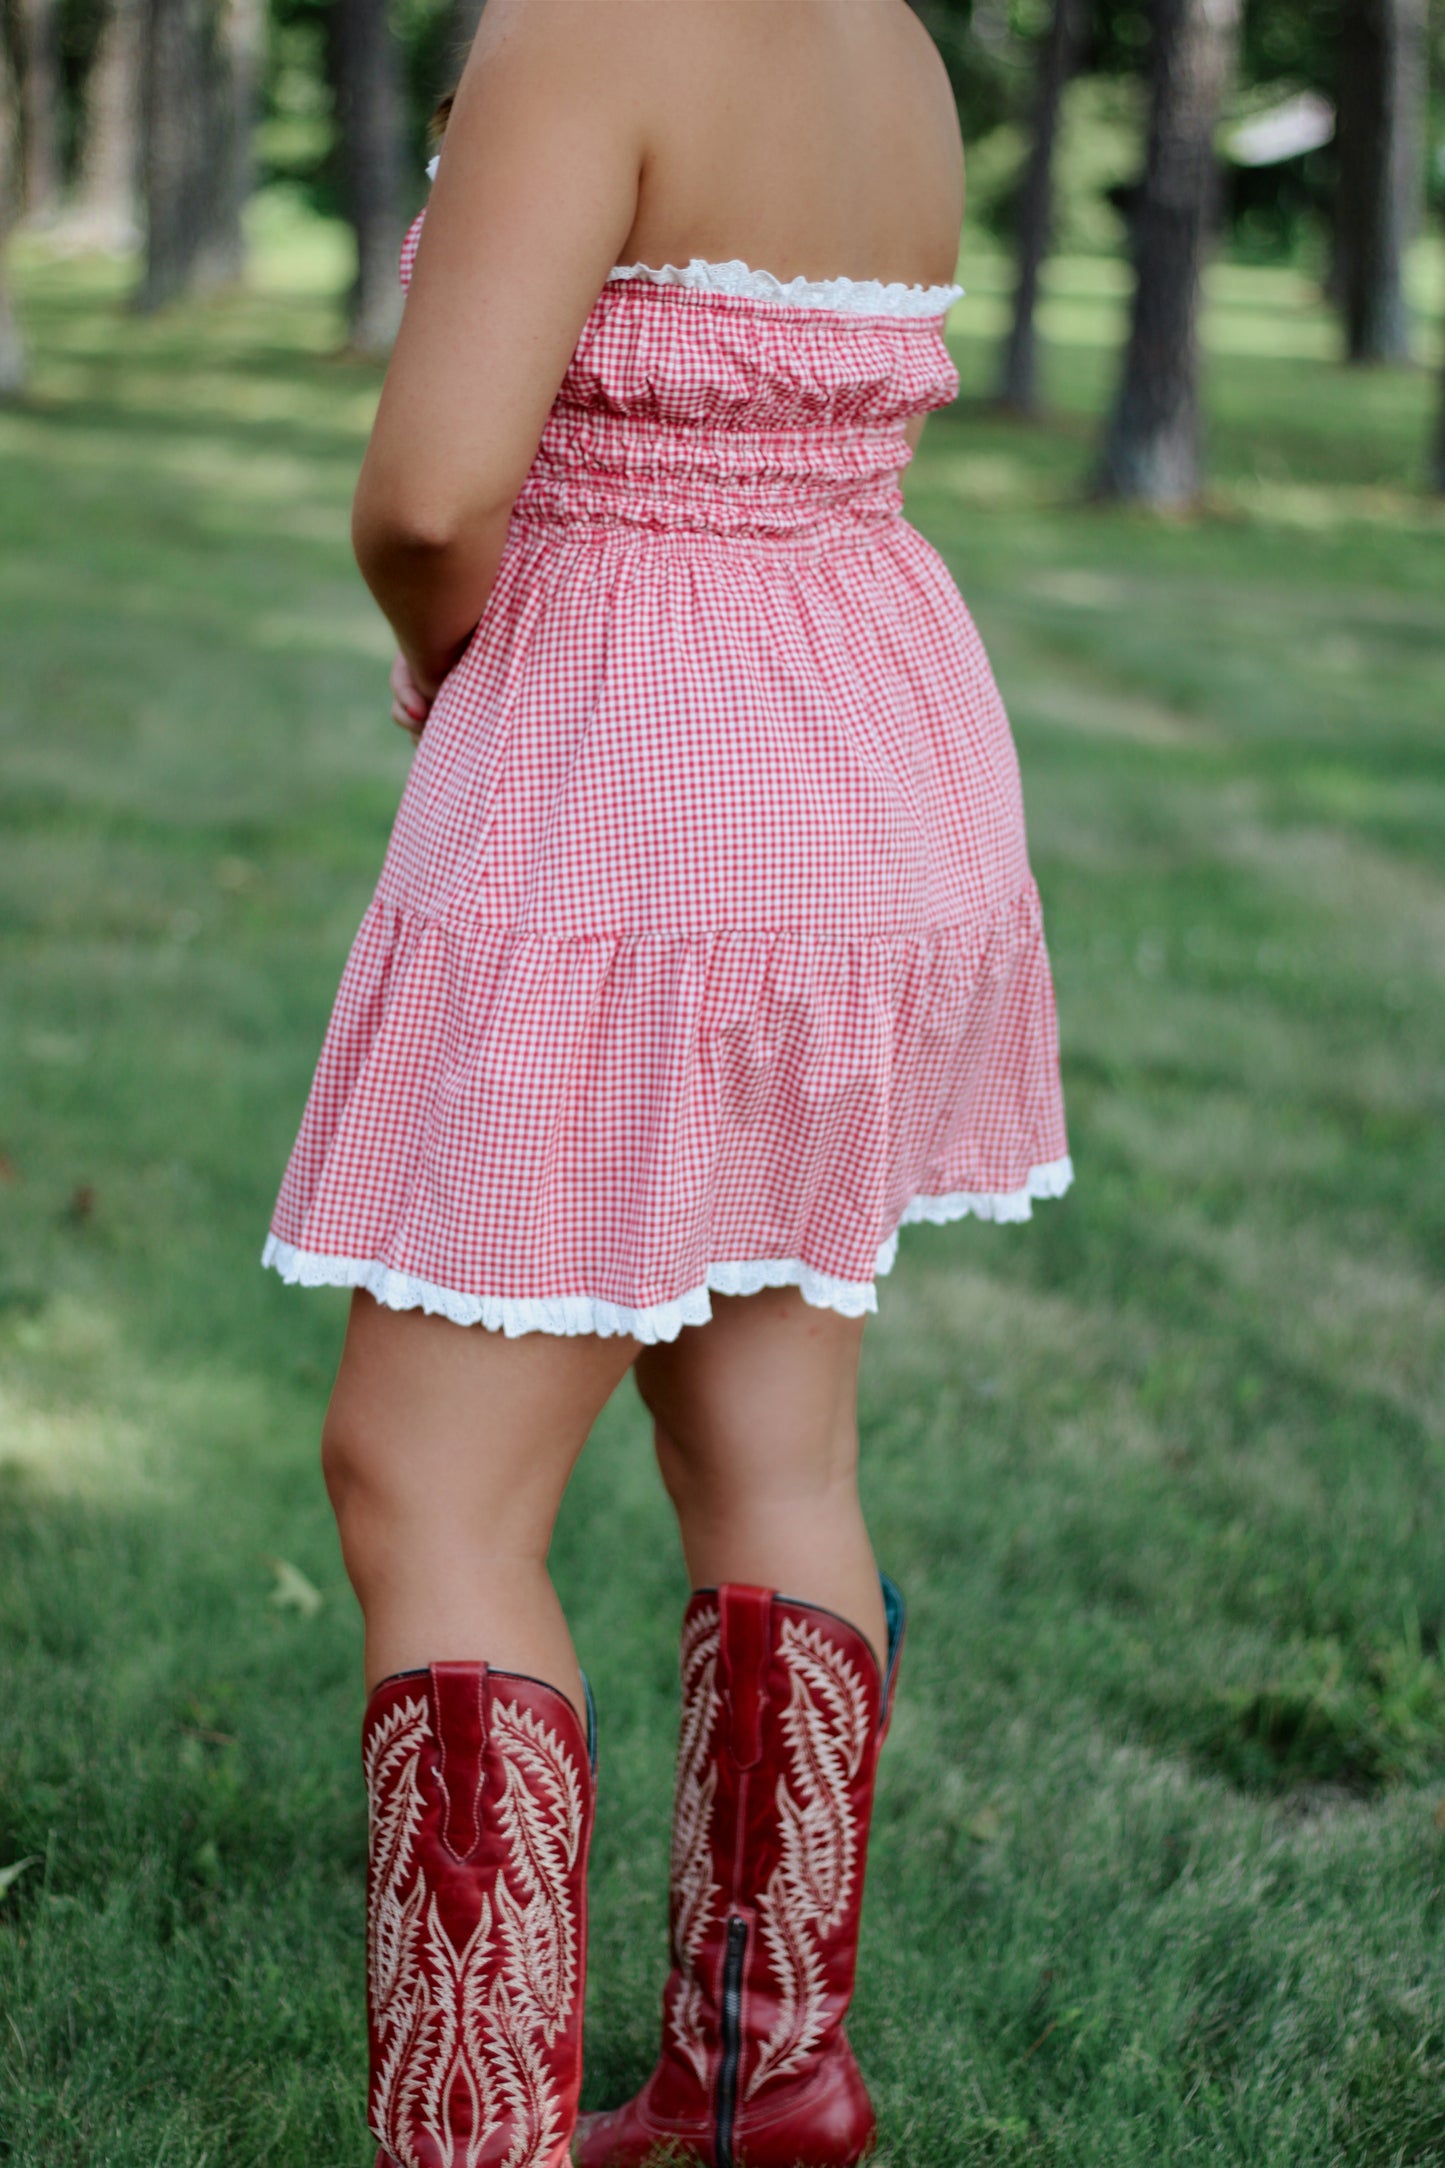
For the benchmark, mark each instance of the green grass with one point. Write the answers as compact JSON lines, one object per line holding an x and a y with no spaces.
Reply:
{"x":1158,"y":1872}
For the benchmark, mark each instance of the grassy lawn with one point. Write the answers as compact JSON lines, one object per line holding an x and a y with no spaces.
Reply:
{"x":1161,"y":1830}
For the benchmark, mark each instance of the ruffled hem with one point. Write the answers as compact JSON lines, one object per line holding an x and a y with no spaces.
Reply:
{"x":571,"y":1314}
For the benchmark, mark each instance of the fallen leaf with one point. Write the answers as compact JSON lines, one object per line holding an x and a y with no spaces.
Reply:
{"x":985,"y":1825}
{"x":10,"y":1875}
{"x":1440,"y":1815}
{"x":82,"y":1201}
{"x":293,"y":1592}
{"x":9,"y":1172}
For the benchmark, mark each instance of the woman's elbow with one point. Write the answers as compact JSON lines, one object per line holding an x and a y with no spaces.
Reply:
{"x":416,"y":503}
{"x":391,"y":524}
{"x":406,"y":533}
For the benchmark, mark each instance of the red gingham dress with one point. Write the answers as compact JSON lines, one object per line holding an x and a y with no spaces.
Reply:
{"x":705,"y":951}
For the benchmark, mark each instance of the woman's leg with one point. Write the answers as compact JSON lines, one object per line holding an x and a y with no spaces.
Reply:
{"x":757,"y":1438}
{"x":446,"y":1451}
{"x":782,"y":1719}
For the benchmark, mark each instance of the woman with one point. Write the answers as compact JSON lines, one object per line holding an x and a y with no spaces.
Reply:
{"x":704,"y":954}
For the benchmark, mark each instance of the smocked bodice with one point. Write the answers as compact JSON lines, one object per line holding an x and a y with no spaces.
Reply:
{"x":738,"y":406}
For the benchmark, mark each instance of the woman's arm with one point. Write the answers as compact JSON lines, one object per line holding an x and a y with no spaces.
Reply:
{"x":535,"y":194}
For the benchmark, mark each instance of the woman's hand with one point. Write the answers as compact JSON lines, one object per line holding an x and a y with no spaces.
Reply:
{"x":410,"y":706}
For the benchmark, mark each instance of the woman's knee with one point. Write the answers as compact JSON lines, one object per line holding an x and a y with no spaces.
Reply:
{"x":679,"y":1470}
{"x":353,"y":1469}
{"x":713,"y":1470}
{"x":689,"y":1431}
{"x":401,"y":1498}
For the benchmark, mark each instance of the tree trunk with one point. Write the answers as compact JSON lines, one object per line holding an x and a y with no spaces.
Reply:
{"x":234,"y":57}
{"x":201,"y":62}
{"x":107,"y":209}
{"x":1438,"y":470}
{"x":12,"y":352}
{"x":38,"y":64}
{"x":1058,"y":56}
{"x":1151,"y":446}
{"x":370,"y":113}
{"x":1381,"y":137}
{"x":175,"y":147}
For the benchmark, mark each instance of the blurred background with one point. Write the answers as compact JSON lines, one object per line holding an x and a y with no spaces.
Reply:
{"x":1162,"y":1820}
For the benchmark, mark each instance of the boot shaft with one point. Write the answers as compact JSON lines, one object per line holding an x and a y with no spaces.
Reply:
{"x":784,"y":1712}
{"x":480,"y":1788}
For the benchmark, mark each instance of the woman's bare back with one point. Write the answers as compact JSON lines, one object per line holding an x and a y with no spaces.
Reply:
{"x":811,"y":138}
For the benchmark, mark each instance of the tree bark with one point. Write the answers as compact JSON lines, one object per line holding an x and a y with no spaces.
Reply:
{"x":12,"y":351}
{"x":38,"y":63}
{"x":1381,"y":135}
{"x":370,"y":112}
{"x":201,"y":63}
{"x":1033,"y":236}
{"x":175,"y":147}
{"x":1437,"y":475}
{"x":107,"y":208}
{"x":1151,"y":451}
{"x":234,"y":56}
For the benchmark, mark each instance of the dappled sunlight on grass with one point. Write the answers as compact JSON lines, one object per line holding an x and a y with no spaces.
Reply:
{"x":1277,"y":503}
{"x":53,"y":1441}
{"x":1065,"y":703}
{"x":1382,"y":914}
{"x":988,"y":480}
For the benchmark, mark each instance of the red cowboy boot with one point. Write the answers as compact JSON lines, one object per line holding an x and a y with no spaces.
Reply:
{"x":481,"y":1789}
{"x":783,"y":1714}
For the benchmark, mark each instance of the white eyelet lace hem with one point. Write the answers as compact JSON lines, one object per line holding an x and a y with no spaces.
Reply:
{"x":569,"y":1314}
{"x":849,"y":297}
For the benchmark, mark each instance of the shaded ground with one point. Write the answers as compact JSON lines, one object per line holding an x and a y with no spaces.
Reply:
{"x":1158,"y":1870}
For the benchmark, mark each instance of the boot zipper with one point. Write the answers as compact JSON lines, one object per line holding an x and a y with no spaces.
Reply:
{"x":727,"y":2075}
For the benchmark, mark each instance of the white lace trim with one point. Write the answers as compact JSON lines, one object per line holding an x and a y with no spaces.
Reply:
{"x":850,"y":297}
{"x":568,"y":1314}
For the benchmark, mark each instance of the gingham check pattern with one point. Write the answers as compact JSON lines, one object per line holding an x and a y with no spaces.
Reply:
{"x":705,"y":951}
